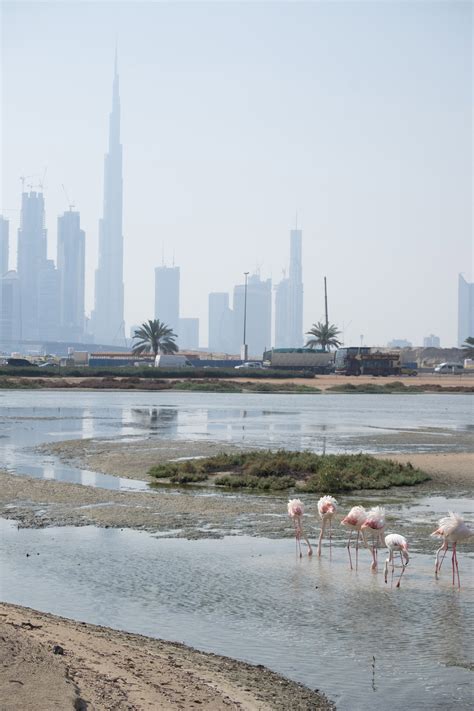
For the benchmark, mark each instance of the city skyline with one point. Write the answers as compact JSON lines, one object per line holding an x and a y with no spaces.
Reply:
{"x":367,"y":223}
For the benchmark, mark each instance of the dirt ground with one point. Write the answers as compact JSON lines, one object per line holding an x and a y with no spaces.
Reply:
{"x":101,"y":669}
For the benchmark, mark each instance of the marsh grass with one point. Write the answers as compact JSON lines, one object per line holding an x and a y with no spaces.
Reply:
{"x":227,"y":386}
{"x":282,"y":470}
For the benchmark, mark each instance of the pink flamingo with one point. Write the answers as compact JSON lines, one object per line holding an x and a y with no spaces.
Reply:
{"x":327,"y":507}
{"x":374,"y":524}
{"x":353,"y":521}
{"x":295,"y":512}
{"x":396,"y":543}
{"x":451,"y":529}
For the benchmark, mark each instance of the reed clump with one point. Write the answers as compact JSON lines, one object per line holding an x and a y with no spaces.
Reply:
{"x":283,"y":470}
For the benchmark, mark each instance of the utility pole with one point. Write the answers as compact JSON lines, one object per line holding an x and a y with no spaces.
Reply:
{"x":244,"y":350}
{"x":326,"y":303}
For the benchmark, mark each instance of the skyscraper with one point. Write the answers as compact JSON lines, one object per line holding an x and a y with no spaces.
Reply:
{"x":221,"y":338}
{"x":9,"y":311}
{"x":31,"y":261}
{"x":4,"y":245}
{"x":107,"y":319}
{"x":289,"y":299}
{"x":188,"y":334}
{"x":48,"y":301}
{"x":259,"y":315}
{"x":295,"y":290}
{"x":71,"y":267}
{"x":167,"y":296}
{"x":465,"y":310}
{"x":282,"y":330}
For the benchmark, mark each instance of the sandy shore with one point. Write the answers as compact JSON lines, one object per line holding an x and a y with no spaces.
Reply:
{"x":103,"y":670}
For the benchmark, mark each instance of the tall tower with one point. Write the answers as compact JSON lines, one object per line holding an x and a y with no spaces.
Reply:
{"x":167,"y":297}
{"x":295,"y":290}
{"x":71,"y":267}
{"x":107,"y":319}
{"x":32,"y":260}
{"x":465,"y":309}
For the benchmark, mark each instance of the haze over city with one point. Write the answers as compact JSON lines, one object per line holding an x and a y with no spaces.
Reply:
{"x":235,"y":118}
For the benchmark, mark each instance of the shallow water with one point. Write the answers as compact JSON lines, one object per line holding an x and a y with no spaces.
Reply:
{"x":362,"y":642}
{"x":320,"y":422}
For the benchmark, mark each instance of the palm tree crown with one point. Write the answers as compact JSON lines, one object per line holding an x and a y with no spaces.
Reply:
{"x":154,"y":337}
{"x":468,"y":347}
{"x":324,"y":335}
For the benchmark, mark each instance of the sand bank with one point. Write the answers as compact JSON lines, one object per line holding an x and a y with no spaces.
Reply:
{"x":103,"y":669}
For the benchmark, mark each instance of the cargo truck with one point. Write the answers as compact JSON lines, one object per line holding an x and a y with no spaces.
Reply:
{"x":367,"y":361}
{"x":309,"y":359}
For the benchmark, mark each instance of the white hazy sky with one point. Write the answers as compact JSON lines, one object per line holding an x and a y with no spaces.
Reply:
{"x":357,"y":115}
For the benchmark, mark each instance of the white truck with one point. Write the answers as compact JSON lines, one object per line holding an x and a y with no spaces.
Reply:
{"x":172,"y":361}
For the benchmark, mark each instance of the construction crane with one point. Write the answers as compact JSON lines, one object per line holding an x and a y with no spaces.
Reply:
{"x":71,"y":204}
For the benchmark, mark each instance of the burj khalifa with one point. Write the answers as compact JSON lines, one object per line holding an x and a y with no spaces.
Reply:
{"x":107,"y":324}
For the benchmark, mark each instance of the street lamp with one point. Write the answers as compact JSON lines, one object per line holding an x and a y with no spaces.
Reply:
{"x":244,"y":350}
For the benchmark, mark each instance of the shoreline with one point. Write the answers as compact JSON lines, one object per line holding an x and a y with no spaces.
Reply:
{"x":110,"y":670}
{"x":425,"y":383}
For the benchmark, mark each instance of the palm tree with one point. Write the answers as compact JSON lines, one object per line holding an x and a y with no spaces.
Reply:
{"x":324,"y":335}
{"x":156,"y":337}
{"x":468,"y":347}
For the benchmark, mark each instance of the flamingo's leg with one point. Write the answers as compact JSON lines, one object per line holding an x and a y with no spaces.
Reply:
{"x":456,"y":563}
{"x":349,"y":548}
{"x":330,"y":537}
{"x":403,"y":570}
{"x":374,"y":558}
{"x":357,"y":549}
{"x":385,"y":572}
{"x":321,"y":536}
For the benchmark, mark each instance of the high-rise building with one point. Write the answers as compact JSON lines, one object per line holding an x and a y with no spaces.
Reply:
{"x":71,"y":268}
{"x":188,"y":334}
{"x":31,"y":260}
{"x":48,"y":301}
{"x":9,"y":311}
{"x":258,"y":317}
{"x":167,"y":296}
{"x":4,"y":245}
{"x":431,"y":341}
{"x":221,"y":338}
{"x":108,"y":316}
{"x":289,"y":299}
{"x":465,"y":310}
{"x":282,"y":329}
{"x":295,"y":289}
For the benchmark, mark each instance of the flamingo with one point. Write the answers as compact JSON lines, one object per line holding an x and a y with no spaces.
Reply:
{"x":451,"y":529}
{"x":295,"y":512}
{"x":374,"y":524}
{"x":396,"y":543}
{"x":354,"y":520}
{"x":327,"y":507}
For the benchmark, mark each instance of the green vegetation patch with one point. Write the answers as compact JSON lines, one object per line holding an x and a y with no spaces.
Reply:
{"x":282,"y":470}
{"x":228,"y":386}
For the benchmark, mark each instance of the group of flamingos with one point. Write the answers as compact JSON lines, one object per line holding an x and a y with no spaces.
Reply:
{"x":370,"y":528}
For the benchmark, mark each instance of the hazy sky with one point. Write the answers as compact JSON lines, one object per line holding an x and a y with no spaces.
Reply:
{"x":357,"y":115}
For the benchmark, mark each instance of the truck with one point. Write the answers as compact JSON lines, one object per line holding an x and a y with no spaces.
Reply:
{"x":172,"y":361}
{"x":309,"y":359}
{"x":367,"y":361}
